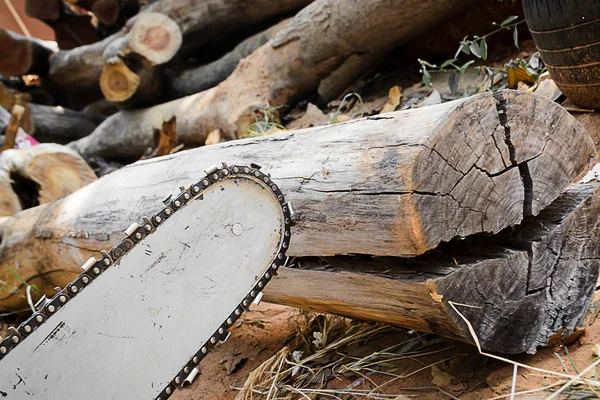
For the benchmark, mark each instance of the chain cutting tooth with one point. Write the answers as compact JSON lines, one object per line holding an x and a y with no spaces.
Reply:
{"x":41,"y":303}
{"x":89,"y":264}
{"x":190,"y":378}
{"x":131,"y":229}
{"x":258,"y":299}
{"x":211,"y":170}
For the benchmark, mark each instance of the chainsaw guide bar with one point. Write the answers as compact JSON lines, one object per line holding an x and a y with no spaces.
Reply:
{"x":170,"y":289}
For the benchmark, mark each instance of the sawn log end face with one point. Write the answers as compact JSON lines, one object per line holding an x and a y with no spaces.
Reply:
{"x":540,"y":283}
{"x":491,"y":161}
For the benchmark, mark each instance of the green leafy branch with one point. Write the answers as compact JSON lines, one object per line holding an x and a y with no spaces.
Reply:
{"x":477,"y":46}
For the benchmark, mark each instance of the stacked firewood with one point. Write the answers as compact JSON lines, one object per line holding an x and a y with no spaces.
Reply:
{"x":469,"y":201}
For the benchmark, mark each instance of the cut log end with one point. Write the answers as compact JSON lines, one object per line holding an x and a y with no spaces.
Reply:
{"x":155,"y":36}
{"x":117,"y":82}
{"x":502,"y":145}
{"x":16,"y":55}
{"x":107,"y":11}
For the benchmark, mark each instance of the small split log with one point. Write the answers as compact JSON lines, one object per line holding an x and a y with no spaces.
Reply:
{"x":21,"y":55}
{"x":397,"y":184}
{"x":10,"y":132}
{"x":522,"y":288}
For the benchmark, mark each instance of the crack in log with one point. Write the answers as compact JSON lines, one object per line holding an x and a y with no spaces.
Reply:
{"x":523,"y":167}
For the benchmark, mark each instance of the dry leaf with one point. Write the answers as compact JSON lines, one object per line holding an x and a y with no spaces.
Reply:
{"x":440,"y":378}
{"x":516,"y":74}
{"x":167,"y":139}
{"x":434,"y":98}
{"x":393,"y":100}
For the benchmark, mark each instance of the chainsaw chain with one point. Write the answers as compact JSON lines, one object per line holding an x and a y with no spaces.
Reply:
{"x":93,"y":268}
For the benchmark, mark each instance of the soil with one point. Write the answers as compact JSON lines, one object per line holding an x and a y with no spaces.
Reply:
{"x":267,"y":328}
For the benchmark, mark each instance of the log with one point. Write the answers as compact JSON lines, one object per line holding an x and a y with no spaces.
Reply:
{"x":43,"y":173}
{"x":161,"y":25}
{"x":59,"y":125}
{"x":391,"y":185}
{"x":526,"y":287}
{"x":316,"y":42}
{"x":22,"y":55}
{"x":71,"y":29}
{"x":194,"y":80}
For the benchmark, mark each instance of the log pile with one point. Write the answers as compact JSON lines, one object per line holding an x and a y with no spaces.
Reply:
{"x":473,"y":201}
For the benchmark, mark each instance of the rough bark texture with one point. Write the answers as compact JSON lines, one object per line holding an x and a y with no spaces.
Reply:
{"x":59,"y":125}
{"x":320,"y":39}
{"x":201,"y":21}
{"x":394,"y":185}
{"x":204,"y":77}
{"x":526,"y":286}
{"x":21,"y":55}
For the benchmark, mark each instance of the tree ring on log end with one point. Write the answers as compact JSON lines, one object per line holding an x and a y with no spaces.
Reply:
{"x":494,"y":160}
{"x":156,"y":37}
{"x":118,"y":82}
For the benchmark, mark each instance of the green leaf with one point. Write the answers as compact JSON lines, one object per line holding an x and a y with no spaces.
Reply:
{"x":516,"y":37}
{"x":465,"y":66}
{"x":427,"y":78}
{"x":465,"y":48}
{"x":453,"y":82}
{"x":508,"y":20}
{"x":424,"y":62}
{"x":474,"y":47}
{"x":448,"y":62}
{"x":484,"y":49}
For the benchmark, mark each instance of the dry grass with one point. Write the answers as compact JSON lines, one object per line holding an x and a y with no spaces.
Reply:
{"x":329,"y":348}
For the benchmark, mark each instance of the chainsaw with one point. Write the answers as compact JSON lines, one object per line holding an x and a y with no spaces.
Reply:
{"x":138,"y":320}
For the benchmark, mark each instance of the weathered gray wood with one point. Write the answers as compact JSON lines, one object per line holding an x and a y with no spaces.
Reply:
{"x":59,"y":125}
{"x":398,"y":184}
{"x":526,"y":285}
{"x":322,"y":38}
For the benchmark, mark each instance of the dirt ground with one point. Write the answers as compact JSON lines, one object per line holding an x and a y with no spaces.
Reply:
{"x":465,"y":374}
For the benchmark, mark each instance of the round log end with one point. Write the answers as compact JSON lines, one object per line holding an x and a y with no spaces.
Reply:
{"x":155,"y":36}
{"x":46,"y":10}
{"x":495,"y":160}
{"x":117,"y":82}
{"x":15,"y":55}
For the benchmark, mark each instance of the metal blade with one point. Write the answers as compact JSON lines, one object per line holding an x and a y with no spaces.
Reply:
{"x":144,"y":320}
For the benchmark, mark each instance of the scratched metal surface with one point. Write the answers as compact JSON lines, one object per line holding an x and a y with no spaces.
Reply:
{"x":128,"y":334}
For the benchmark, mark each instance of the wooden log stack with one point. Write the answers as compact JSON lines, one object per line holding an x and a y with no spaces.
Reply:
{"x":399,"y":215}
{"x":394,"y":188}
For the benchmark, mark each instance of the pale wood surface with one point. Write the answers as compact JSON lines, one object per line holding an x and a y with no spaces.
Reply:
{"x":527,"y":285}
{"x":398,"y":184}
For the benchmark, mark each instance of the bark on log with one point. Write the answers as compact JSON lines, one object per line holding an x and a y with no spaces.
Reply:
{"x":526,"y":286}
{"x":21,"y":55}
{"x":319,"y":40}
{"x":394,"y":185}
{"x":59,"y":125}
{"x":39,"y":175}
{"x":194,"y":80}
{"x":71,"y":29}
{"x":198,"y":21}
